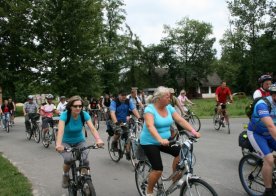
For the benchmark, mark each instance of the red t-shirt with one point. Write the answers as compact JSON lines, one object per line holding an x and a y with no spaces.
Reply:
{"x":222,"y":94}
{"x":6,"y":109}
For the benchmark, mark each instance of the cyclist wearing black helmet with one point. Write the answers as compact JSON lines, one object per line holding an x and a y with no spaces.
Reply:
{"x":265,"y":81}
{"x":262,"y":135}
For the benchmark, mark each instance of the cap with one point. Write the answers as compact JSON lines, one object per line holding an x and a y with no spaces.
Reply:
{"x":171,"y":90}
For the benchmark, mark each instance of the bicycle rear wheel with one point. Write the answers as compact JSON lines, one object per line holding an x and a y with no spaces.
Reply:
{"x":195,"y":122}
{"x":197,"y":187}
{"x":71,"y":189}
{"x":250,"y":175}
{"x":115,"y":155}
{"x":216,"y":121}
{"x":88,"y":188}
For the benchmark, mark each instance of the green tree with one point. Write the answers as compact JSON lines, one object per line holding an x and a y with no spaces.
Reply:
{"x":189,"y":53}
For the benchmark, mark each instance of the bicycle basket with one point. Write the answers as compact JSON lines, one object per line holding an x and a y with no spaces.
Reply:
{"x":140,"y":154}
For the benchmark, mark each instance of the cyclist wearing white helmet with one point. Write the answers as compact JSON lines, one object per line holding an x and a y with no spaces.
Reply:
{"x":30,"y":108}
{"x":47,"y":112}
{"x":262,"y":134}
{"x":265,"y":81}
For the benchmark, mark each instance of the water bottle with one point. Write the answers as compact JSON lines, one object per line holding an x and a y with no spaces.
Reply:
{"x":186,"y":150}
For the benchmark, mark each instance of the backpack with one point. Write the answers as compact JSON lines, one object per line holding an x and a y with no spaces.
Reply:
{"x":250,"y":108}
{"x":69,"y":116}
{"x":244,"y":141}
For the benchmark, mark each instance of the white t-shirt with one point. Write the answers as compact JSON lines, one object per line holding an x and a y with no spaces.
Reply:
{"x":61,"y":106}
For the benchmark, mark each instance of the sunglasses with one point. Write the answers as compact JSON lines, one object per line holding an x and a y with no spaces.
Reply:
{"x":77,"y":106}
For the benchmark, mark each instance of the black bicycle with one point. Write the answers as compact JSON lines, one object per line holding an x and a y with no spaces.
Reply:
{"x":127,"y":139}
{"x":80,"y":181}
{"x":250,"y":174}
{"x":219,"y":119}
{"x":192,"y":118}
{"x":35,"y":127}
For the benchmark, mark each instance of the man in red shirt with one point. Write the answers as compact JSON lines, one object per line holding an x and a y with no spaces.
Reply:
{"x":222,"y":93}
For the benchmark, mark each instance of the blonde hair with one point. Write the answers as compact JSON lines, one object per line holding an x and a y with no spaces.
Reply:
{"x":182,"y":91}
{"x":159,"y":92}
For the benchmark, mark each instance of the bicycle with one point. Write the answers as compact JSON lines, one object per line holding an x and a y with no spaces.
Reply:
{"x":50,"y":135}
{"x":189,"y":184}
{"x":6,"y":121}
{"x":127,"y":137}
{"x":218,"y":119}
{"x":79,"y":180}
{"x":94,"y":117}
{"x":34,"y":129}
{"x":250,"y":167}
{"x":192,"y":118}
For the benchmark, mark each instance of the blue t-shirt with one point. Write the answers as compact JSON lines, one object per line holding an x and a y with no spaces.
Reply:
{"x":162,"y":124}
{"x":262,"y":110}
{"x":73,"y":133}
{"x":122,"y":111}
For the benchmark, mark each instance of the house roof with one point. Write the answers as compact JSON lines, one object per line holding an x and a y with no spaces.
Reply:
{"x":211,"y":80}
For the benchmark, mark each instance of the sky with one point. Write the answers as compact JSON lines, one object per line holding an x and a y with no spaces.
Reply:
{"x":147,"y":17}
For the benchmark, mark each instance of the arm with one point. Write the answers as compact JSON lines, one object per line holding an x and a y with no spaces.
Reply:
{"x":270,"y":126}
{"x":95,"y":133}
{"x":136,"y":113}
{"x":149,"y":120}
{"x":113,"y":117}
{"x":59,"y":146}
{"x":24,"y":110}
{"x":183,"y":123}
{"x":189,"y":101}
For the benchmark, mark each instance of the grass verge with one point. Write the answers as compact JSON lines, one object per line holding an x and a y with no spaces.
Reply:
{"x":12,"y":182}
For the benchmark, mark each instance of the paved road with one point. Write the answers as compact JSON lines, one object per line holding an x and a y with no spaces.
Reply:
{"x":217,"y":156}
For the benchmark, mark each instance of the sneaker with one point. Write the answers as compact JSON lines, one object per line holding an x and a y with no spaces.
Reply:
{"x":114,"y":146}
{"x":65,"y":181}
{"x":223,"y":125}
{"x":149,"y":194}
{"x":128,"y":156}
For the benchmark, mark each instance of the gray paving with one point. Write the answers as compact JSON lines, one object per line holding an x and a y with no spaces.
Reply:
{"x":217,"y":155}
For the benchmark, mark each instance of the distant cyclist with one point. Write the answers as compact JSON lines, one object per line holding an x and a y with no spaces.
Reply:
{"x":183,"y":99}
{"x":222,"y":93}
{"x":6,"y":114}
{"x":13,"y":107}
{"x":47,"y":112}
{"x":263,"y":91}
{"x":262,"y":135}
{"x":62,"y":104}
{"x":30,"y":108}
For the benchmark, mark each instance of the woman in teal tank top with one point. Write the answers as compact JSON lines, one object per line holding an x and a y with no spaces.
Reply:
{"x":159,"y":116}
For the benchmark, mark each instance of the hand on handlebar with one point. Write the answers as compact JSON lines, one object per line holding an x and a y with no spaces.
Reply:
{"x":164,"y":142}
{"x":59,"y":148}
{"x":99,"y":143}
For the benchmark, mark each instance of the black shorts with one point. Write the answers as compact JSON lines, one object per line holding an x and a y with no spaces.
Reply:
{"x":153,"y":154}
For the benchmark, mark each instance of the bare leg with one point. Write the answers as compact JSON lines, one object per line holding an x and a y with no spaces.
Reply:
{"x":267,"y":170}
{"x":66,"y":168}
{"x":153,"y":178}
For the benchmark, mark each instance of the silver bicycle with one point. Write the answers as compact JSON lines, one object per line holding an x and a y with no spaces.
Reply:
{"x":189,"y":184}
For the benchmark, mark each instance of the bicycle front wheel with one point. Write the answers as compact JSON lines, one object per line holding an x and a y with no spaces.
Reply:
{"x":37,"y":134}
{"x":250,"y":175}
{"x":197,"y":187}
{"x":195,"y":122}
{"x":88,"y":188}
{"x":132,"y":152}
{"x":7,"y":126}
{"x":216,"y":121}
{"x":45,"y":139}
{"x":114,"y":154}
{"x":96,"y":122}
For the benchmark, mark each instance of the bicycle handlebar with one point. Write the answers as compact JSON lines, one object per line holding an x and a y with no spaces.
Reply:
{"x":72,"y":149}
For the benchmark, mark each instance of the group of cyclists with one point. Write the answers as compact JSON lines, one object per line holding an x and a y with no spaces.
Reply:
{"x":7,"y":111}
{"x":158,"y":112}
